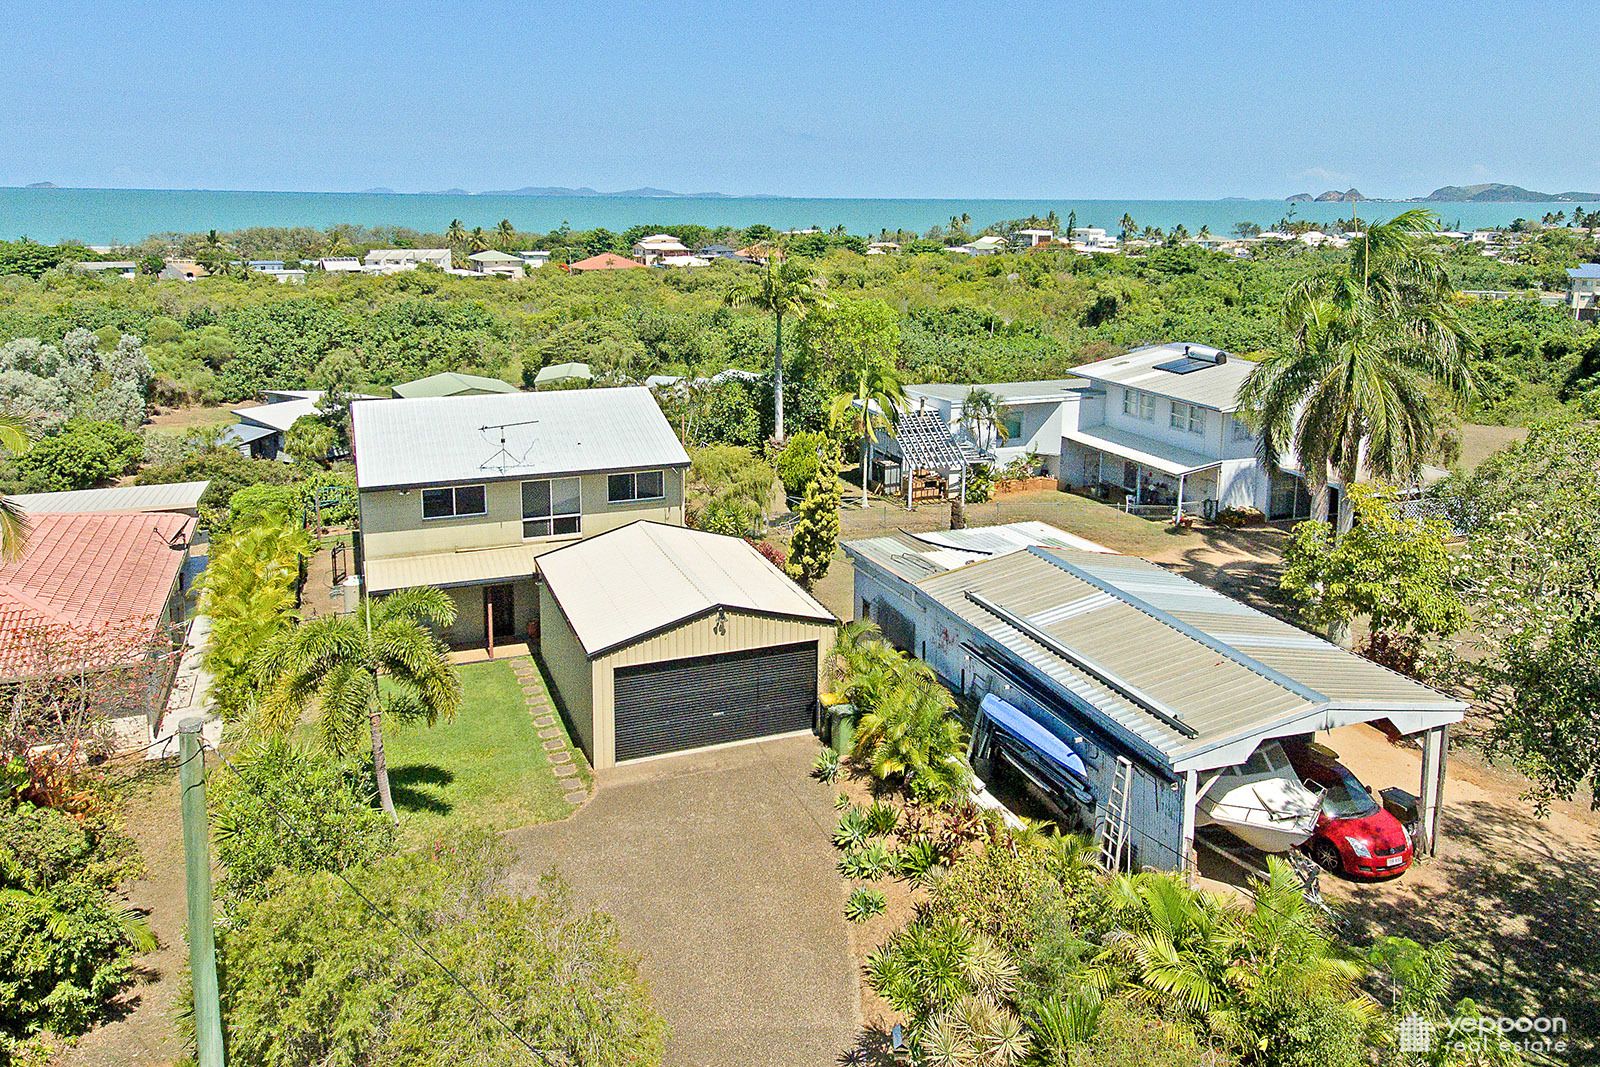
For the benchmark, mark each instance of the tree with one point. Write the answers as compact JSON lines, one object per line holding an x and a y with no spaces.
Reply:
{"x":312,"y":974}
{"x":505,"y":235}
{"x":859,"y":343}
{"x":248,"y":593}
{"x":455,"y":234}
{"x":310,"y":440}
{"x":816,"y":532}
{"x":355,"y":669}
{"x":1396,"y":571}
{"x":981,"y":413}
{"x":911,"y":734}
{"x":1531,"y":582}
{"x":783,"y":288}
{"x":1129,"y":227}
{"x":1356,"y":391}
{"x":84,"y":454}
{"x":15,"y":439}
{"x":478,"y":240}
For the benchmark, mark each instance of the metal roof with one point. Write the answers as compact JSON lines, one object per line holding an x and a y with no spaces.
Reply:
{"x":1193,"y":677}
{"x":635,"y":581}
{"x":1584,"y":270}
{"x":247,"y":433}
{"x":1009,"y":392}
{"x":456,"y":439}
{"x":126,"y":499}
{"x":1213,"y":386}
{"x":558,"y":372}
{"x":445,"y":569}
{"x":914,"y":556}
{"x":1171,"y":460}
{"x":452,"y":383}
{"x":926,"y":443}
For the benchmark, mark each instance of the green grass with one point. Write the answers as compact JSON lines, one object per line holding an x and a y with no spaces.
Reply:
{"x":484,"y":769}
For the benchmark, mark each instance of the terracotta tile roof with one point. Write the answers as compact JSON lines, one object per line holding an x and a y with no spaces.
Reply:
{"x":88,"y":571}
{"x":605,"y":261}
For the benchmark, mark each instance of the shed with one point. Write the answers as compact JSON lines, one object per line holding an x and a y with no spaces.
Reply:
{"x":663,"y":639}
{"x":452,"y":383}
{"x":558,"y":373}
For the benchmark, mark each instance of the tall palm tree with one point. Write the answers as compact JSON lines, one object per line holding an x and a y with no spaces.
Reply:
{"x":505,"y":235}
{"x":479,"y":240}
{"x":874,"y":407}
{"x":1375,"y":352}
{"x":784,"y":288}
{"x":456,"y":234}
{"x":355,"y":669}
{"x":981,"y":412}
{"x":1129,"y":227}
{"x":15,"y":438}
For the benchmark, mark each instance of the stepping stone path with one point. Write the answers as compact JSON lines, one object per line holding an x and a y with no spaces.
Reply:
{"x":551,"y":733}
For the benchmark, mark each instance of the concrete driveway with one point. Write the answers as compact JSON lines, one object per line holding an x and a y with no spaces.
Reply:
{"x":718,"y":869}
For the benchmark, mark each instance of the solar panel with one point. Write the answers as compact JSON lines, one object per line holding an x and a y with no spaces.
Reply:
{"x":1184,"y":365}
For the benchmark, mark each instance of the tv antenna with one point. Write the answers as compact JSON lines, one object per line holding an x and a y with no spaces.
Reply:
{"x":502,"y":460}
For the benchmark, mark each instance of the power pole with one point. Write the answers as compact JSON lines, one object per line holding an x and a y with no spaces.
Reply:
{"x":197,"y":862}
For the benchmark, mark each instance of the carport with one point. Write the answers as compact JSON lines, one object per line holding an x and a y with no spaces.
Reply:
{"x":662,"y":639}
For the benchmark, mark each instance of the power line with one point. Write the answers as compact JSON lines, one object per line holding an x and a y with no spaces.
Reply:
{"x":388,"y":919}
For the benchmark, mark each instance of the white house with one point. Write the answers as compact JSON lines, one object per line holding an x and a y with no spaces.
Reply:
{"x":1034,"y":238}
{"x":658,"y":246}
{"x":394,"y":260}
{"x":1030,"y":418}
{"x":490,"y":261}
{"x":534,"y":259}
{"x":982,"y":246}
{"x":1583,"y":290}
{"x":1160,"y":425}
{"x":1087,"y":240}
{"x":340,"y":264}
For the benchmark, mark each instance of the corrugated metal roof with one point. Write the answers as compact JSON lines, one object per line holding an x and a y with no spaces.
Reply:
{"x":1171,"y":460}
{"x":174,"y":496}
{"x":1213,"y":387}
{"x":245,"y":433}
{"x":1178,"y":667}
{"x":452,"y":383}
{"x":442,"y":440}
{"x":914,"y":556}
{"x":629,"y":583}
{"x":1012,"y":392}
{"x":445,"y":569}
{"x":1584,"y":270}
{"x":1007,"y":537}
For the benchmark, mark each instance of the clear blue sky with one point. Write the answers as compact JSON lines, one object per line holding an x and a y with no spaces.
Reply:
{"x":1124,"y":99}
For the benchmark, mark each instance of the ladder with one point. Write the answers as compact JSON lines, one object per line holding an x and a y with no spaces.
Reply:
{"x":1114,"y":824}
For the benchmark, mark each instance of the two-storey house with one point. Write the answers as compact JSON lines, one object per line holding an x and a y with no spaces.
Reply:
{"x":466,"y":492}
{"x":1029,"y":422}
{"x":1159,"y":426}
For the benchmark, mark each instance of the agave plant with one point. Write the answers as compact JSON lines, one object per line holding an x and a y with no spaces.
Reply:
{"x":918,"y":861}
{"x":852,"y":830}
{"x":865,"y":903}
{"x":881,"y":818}
{"x":867,"y":863}
{"x":826,"y":766}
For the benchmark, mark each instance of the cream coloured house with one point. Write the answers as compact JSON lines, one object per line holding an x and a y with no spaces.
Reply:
{"x":466,"y":492}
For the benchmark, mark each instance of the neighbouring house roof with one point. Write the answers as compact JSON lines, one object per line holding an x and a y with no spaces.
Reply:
{"x":914,"y":556}
{"x":458,"y":439}
{"x":445,"y":569}
{"x":636,"y":581}
{"x":407,"y":255}
{"x":174,"y":496}
{"x":562,"y":372}
{"x":281,"y":414}
{"x":489,"y":255}
{"x":1192,"y":676}
{"x":1214,"y":385}
{"x":452,"y":383}
{"x":605,"y":261}
{"x":924,"y":440}
{"x":86,"y":571}
{"x":1053,"y":389}
{"x":1584,"y":270}
{"x":246,"y":433}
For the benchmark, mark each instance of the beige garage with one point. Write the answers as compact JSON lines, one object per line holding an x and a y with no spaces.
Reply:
{"x":662,"y":639}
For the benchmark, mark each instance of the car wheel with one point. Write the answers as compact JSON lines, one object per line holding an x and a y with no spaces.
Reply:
{"x":1327,"y":856}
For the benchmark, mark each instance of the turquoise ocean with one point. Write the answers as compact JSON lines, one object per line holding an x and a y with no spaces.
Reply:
{"x":111,"y":216}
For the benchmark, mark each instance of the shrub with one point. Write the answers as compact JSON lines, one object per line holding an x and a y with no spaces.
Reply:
{"x":1024,"y":466}
{"x":66,"y":943}
{"x":797,"y":461}
{"x":311,"y":975}
{"x":1239,"y":516}
{"x":917,"y":861}
{"x":1002,"y":891}
{"x":329,"y":805}
{"x":867,"y":863}
{"x":979,"y":484}
{"x":865,"y":903}
{"x":81,"y":456}
{"x":911,"y":735}
{"x":881,"y":818}
{"x":773,"y":554}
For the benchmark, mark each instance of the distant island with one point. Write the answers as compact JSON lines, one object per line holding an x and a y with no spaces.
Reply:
{"x":1497,"y":193}
{"x":561,"y":190}
{"x":42,"y":185}
{"x":1332,"y":196}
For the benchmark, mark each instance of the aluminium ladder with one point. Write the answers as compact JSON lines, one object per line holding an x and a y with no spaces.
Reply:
{"x":1114,"y":825}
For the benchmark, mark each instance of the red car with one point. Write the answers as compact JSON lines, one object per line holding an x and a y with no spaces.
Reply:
{"x":1355,"y":836}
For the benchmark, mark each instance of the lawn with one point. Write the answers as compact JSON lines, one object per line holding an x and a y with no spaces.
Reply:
{"x":189,"y":417}
{"x":484,"y":769}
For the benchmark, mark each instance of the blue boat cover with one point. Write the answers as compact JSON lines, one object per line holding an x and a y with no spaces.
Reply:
{"x":1025,"y":728}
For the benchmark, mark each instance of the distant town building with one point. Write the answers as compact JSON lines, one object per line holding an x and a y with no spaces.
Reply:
{"x":534,"y":259}
{"x":340,"y":264}
{"x":604,"y":261}
{"x":122,"y":268}
{"x":1583,"y":291}
{"x":648,"y":250}
{"x":491,"y":262}
{"x":394,"y":260}
{"x":1033,"y":238}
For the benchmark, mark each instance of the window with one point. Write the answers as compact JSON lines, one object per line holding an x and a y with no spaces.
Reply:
{"x":551,"y":507}
{"x":643,"y":485}
{"x":453,"y":502}
{"x":1011,"y":423}
{"x":1239,"y":430}
{"x":1138,"y":405}
{"x":1188,"y":417}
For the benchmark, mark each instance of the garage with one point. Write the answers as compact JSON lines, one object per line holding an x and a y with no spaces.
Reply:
{"x":660,"y":639}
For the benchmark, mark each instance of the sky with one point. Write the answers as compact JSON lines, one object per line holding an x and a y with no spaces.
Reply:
{"x":1195,"y":100}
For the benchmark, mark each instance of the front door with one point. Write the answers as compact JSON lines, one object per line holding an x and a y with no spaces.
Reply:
{"x":499,"y":603}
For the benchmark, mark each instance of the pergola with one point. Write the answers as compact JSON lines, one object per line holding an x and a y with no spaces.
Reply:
{"x":926,"y":444}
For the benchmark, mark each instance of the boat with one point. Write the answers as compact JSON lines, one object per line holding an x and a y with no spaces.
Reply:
{"x":1261,"y":801}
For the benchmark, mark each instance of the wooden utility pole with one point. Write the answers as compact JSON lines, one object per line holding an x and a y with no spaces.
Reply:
{"x":197,"y":862}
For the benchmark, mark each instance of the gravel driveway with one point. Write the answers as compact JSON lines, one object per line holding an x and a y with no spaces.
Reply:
{"x":718,"y":869}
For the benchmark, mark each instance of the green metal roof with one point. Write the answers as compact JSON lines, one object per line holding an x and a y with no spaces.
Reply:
{"x":452,"y":383}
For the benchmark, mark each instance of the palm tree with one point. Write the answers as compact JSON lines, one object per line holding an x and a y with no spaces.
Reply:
{"x":505,"y":235}
{"x":15,"y":438}
{"x":479,"y":239}
{"x":784,"y":288}
{"x":912,"y":734}
{"x":456,"y":234}
{"x":981,"y":412}
{"x":1129,"y":227}
{"x":355,"y":669}
{"x":874,"y":407}
{"x":1357,"y":391}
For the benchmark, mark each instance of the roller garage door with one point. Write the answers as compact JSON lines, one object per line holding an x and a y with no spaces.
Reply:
{"x":708,"y":700}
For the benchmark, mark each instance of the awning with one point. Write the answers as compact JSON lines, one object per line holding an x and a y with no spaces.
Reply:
{"x":1170,"y":460}
{"x":445,"y":569}
{"x":1025,"y":728}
